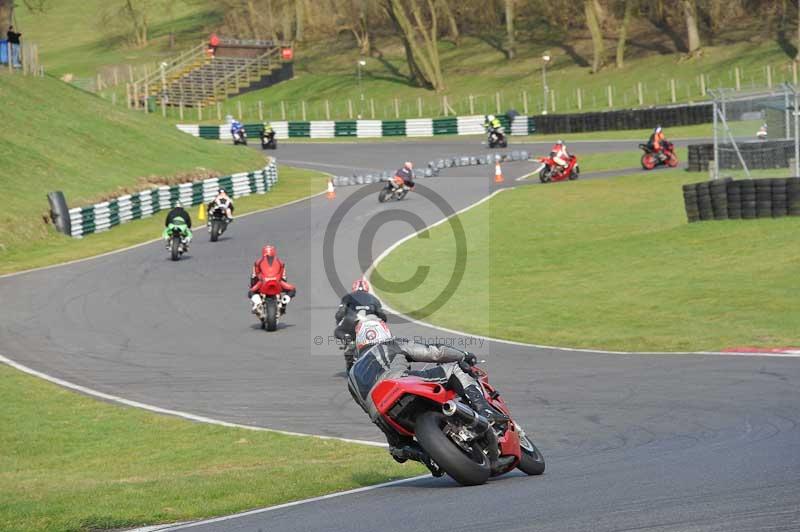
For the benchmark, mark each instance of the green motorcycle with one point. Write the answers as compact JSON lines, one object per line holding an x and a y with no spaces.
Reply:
{"x":177,"y":235}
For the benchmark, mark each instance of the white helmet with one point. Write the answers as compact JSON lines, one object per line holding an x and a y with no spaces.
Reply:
{"x":490,"y":118}
{"x":371,"y":330}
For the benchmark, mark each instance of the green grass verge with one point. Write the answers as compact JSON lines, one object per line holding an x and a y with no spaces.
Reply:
{"x":55,"y":137}
{"x":72,"y":463}
{"x":294,"y":183}
{"x":609,"y":264}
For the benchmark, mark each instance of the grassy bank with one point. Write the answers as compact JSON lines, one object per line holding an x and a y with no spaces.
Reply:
{"x":55,"y":137}
{"x":73,"y":463}
{"x":610,"y":264}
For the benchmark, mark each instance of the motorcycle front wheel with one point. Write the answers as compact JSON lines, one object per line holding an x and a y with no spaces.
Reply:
{"x":467,"y":467}
{"x":531,"y":461}
{"x":545,"y":175}
{"x":384,"y":195}
{"x":648,"y":161}
{"x":215,"y":230}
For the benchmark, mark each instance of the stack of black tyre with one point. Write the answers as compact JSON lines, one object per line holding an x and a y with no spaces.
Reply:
{"x":746,"y":199}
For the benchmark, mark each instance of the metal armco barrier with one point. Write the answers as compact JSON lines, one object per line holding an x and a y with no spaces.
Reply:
{"x":433,"y":167}
{"x":743,"y":199}
{"x":103,"y":216}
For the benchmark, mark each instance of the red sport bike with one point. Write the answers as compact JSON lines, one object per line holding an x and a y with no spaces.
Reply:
{"x":462,"y":443}
{"x":273,"y":303}
{"x":652,"y":158}
{"x":554,"y":172}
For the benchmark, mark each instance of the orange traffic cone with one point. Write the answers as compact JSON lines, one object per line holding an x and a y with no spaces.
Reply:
{"x":498,"y":173}
{"x":331,"y":194}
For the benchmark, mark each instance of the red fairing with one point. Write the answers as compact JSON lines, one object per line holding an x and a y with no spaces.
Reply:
{"x":270,"y":277}
{"x":387,"y":393}
{"x":559,"y":173}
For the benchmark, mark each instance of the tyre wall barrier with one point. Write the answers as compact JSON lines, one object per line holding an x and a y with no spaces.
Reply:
{"x":670,"y":116}
{"x":103,"y":216}
{"x":59,"y":212}
{"x":743,"y":199}
{"x":757,"y":154}
{"x":434,"y":167}
{"x":416,"y":127}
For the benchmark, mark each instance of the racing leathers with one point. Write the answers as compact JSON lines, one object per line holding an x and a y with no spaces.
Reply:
{"x":349,"y":309}
{"x":178,"y":218}
{"x":405,"y":174}
{"x":493,"y":125}
{"x":265,"y":270}
{"x":223,"y":202}
{"x":560,"y":155}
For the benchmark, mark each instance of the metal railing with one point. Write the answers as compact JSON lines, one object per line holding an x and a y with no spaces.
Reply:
{"x":174,"y":65}
{"x":240,"y":76}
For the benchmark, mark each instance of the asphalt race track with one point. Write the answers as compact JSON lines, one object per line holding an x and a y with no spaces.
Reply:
{"x":632,"y":442}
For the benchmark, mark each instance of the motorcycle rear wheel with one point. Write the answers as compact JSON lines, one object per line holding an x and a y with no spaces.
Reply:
{"x":215,"y":230}
{"x":466,"y":469}
{"x":271,"y":317}
{"x":672,"y":160}
{"x":531,"y":461}
{"x":402,"y":194}
{"x":575,"y":174}
{"x":175,"y":248}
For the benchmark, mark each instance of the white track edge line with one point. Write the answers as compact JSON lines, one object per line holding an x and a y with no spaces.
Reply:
{"x":191,"y":524}
{"x":397,"y":244}
{"x":167,"y":411}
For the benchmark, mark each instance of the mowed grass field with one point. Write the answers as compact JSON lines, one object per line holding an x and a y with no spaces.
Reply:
{"x":609,"y":264}
{"x":72,"y":463}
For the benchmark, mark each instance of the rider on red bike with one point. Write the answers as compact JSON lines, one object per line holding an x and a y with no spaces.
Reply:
{"x":657,"y":143}
{"x":268,"y":267}
{"x":404,"y":176}
{"x":559,"y":154}
{"x":383,"y":356}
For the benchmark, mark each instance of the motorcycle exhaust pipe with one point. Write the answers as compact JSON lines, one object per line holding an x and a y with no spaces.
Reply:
{"x":474,"y":421}
{"x":285,"y":299}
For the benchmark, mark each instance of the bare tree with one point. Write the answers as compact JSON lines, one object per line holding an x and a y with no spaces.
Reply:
{"x":511,"y":45}
{"x":6,"y":13}
{"x":692,"y":31}
{"x":418,"y":28}
{"x":452,"y":23}
{"x":627,"y":14}
{"x":797,"y":57}
{"x":299,"y":20}
{"x":593,"y":24}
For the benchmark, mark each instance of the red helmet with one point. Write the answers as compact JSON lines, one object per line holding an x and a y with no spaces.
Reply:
{"x":361,"y":284}
{"x":268,"y":251}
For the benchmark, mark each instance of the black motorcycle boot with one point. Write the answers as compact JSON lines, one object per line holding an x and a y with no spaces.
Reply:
{"x":413,"y":452}
{"x":481,"y":405}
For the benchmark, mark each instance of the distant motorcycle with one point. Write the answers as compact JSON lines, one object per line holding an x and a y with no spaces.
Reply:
{"x":497,"y":139}
{"x":395,"y":189}
{"x":218,"y":222}
{"x":239,"y":137}
{"x":268,"y":141}
{"x":551,"y":171}
{"x":651,"y":158}
{"x":273,"y":303}
{"x":176,"y":244}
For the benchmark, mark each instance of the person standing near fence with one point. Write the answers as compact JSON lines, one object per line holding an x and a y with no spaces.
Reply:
{"x":13,"y":40}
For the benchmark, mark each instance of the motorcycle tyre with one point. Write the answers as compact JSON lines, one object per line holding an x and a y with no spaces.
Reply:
{"x":531,"y":462}
{"x":672,"y":161}
{"x":271,"y":314}
{"x":503,"y":143}
{"x":216,"y":230}
{"x":402,"y":194}
{"x":575,"y":174}
{"x":545,"y":175}
{"x":384,"y":195}
{"x":649,"y":161}
{"x":462,"y":468}
{"x":175,"y":248}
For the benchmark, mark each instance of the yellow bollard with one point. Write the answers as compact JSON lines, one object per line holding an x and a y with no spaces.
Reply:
{"x":201,"y":212}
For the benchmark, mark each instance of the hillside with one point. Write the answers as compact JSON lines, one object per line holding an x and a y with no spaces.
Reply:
{"x":55,"y":137}
{"x":71,"y":41}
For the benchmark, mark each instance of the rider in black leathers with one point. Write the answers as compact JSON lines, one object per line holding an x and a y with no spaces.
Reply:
{"x":357,"y":301}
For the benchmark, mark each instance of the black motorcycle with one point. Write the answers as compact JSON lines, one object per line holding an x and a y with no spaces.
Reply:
{"x":217,"y":222}
{"x":268,"y":141}
{"x":394,"y":190}
{"x":497,"y":139}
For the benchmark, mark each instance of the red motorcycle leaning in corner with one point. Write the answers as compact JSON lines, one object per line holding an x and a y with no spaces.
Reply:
{"x":449,"y":436}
